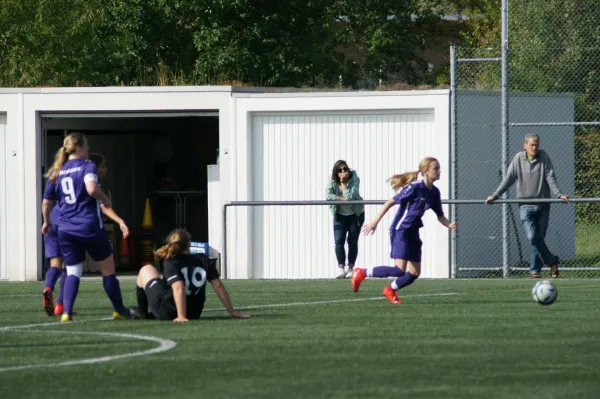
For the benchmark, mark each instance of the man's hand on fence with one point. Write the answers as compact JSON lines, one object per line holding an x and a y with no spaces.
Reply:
{"x":489,"y":200}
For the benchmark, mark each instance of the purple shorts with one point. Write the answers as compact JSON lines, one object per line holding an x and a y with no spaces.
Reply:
{"x":51,"y":248}
{"x":406,"y":244}
{"x":74,"y":247}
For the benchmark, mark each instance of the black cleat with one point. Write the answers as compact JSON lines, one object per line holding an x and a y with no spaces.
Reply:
{"x":48,"y":301}
{"x":136,"y":313}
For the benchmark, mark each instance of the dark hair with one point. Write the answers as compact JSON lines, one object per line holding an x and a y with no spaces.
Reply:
{"x":97,"y":159}
{"x":334,"y":173}
{"x":177,"y":243}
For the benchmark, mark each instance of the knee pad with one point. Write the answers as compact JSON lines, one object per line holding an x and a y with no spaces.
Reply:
{"x":75,"y":270}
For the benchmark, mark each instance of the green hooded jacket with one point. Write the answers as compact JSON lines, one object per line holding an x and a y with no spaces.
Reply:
{"x":333,"y":191}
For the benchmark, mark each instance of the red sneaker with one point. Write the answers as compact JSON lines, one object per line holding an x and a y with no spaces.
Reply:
{"x":48,"y":301}
{"x":390,"y":294}
{"x":358,"y":276}
{"x":59,"y":308}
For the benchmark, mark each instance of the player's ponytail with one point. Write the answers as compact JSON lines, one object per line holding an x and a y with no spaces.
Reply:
{"x":60,"y":158}
{"x":70,"y":144}
{"x":399,"y":181}
{"x":177,"y":243}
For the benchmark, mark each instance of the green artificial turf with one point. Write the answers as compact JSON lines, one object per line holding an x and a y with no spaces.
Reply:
{"x":450,"y":339}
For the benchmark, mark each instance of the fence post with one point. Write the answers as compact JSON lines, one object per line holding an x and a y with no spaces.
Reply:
{"x":505,"y":137}
{"x":452,"y":210}
{"x":224,"y":232}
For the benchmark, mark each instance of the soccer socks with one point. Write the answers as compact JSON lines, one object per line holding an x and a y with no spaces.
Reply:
{"x":403,"y":281}
{"x":61,"y":283}
{"x":384,"y":271}
{"x":113,"y":290}
{"x":142,"y":300}
{"x":70,"y":293}
{"x":51,"y":277}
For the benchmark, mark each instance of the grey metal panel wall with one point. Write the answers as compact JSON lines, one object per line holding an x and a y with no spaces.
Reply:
{"x":479,"y":162}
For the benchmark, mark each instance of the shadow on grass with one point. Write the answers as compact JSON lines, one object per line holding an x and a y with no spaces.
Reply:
{"x":565,"y":267}
{"x":254,"y":316}
{"x":224,"y":317}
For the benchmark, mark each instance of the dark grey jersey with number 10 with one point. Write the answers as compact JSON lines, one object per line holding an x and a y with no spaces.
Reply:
{"x":195,"y":271}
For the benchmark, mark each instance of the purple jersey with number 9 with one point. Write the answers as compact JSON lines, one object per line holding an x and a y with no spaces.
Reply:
{"x":80,"y":213}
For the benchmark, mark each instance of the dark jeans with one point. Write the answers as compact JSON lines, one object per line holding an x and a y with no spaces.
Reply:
{"x":347,"y":228}
{"x":535,"y":220}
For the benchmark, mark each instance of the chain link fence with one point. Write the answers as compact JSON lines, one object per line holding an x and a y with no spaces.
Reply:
{"x":553,"y":89}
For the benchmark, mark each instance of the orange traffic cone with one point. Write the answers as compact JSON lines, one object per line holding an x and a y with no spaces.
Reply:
{"x":146,"y":240}
{"x":124,"y":253}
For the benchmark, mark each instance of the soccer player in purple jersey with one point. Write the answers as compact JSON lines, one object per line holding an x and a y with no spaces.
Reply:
{"x":52,"y":249}
{"x":100,"y":163}
{"x":53,"y":254}
{"x":181,"y":294}
{"x":415,"y":197}
{"x":80,"y":227}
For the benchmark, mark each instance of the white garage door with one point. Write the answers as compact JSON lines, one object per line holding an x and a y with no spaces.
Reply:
{"x":3,"y":261}
{"x":293,"y":156}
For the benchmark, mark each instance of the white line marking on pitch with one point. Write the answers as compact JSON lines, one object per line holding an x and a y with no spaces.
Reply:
{"x":284,"y":305}
{"x":164,"y":345}
{"x":54,"y":323}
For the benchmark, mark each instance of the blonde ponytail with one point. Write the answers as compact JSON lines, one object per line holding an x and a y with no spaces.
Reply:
{"x":70,"y":145}
{"x":60,"y":158}
{"x":178,"y":242}
{"x":399,"y":181}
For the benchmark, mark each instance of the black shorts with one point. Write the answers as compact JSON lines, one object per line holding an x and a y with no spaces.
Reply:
{"x":160,"y":299}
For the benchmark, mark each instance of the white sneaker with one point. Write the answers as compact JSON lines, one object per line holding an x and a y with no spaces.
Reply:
{"x":349,"y":273}
{"x":342,"y":273}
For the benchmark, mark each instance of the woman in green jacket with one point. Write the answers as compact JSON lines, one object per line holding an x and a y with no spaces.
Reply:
{"x":347,"y":219}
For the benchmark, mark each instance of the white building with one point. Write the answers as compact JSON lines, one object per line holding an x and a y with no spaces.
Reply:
{"x":272,"y":146}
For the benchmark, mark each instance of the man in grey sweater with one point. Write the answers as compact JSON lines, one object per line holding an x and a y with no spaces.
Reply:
{"x":533,"y":171}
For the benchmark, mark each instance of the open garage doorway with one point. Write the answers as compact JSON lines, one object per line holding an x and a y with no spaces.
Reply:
{"x":162,"y":157}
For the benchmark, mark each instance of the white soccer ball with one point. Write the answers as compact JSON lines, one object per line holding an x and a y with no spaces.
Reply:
{"x":544,"y":292}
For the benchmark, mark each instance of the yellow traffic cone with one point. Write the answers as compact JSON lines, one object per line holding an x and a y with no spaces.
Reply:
{"x":147,"y":221}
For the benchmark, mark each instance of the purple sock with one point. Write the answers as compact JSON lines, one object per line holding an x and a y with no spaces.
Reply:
{"x":403,"y":281}
{"x":61,"y":283}
{"x":384,"y":271}
{"x":70,"y":293}
{"x":51,"y":277}
{"x":113,"y":290}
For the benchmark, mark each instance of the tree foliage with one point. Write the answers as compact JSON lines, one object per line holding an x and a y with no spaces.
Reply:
{"x":388,"y":36}
{"x":260,"y":42}
{"x":554,"y":47}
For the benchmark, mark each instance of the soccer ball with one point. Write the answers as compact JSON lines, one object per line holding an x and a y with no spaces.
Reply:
{"x":544,"y":292}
